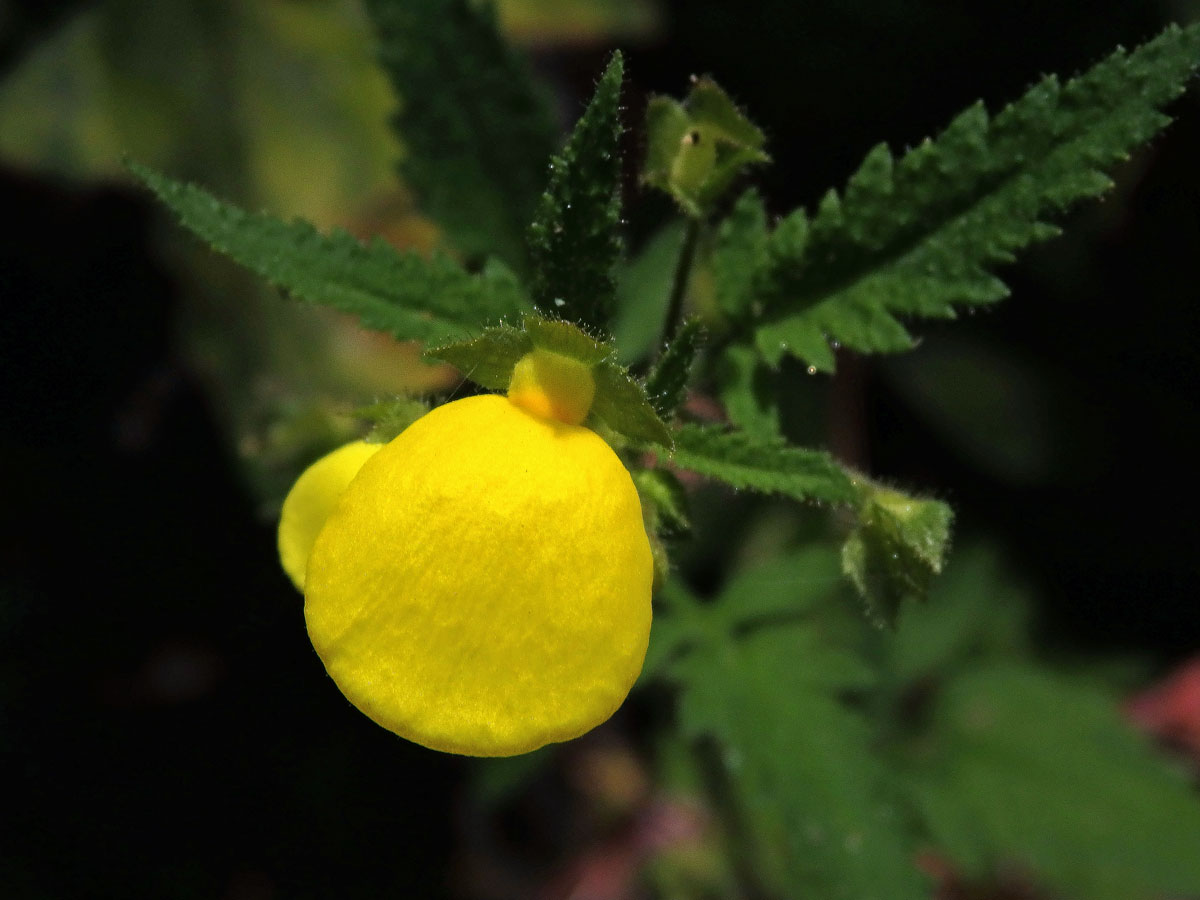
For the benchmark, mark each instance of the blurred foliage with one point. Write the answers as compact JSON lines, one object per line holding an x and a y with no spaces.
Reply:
{"x":762,"y":679}
{"x":256,"y":99}
{"x":574,"y":22}
{"x":476,"y":127}
{"x":842,"y":756}
{"x":642,"y":282}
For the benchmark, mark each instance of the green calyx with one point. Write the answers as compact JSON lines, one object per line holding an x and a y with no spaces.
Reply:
{"x":555,"y":358}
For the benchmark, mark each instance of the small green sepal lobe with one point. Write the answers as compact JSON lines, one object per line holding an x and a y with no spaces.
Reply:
{"x":898,"y":544}
{"x":698,"y":147}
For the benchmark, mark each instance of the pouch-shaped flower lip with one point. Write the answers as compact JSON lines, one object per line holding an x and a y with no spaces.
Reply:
{"x":483,"y":585}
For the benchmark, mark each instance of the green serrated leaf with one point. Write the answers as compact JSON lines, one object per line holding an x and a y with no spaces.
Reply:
{"x":768,"y":467}
{"x":575,"y":240}
{"x":917,"y":237}
{"x":476,"y":128}
{"x":747,"y":394}
{"x":695,"y":149}
{"x":667,"y":382}
{"x":389,"y":418}
{"x":1019,"y":768}
{"x":897,"y":546}
{"x":401,"y":294}
{"x":621,"y":404}
{"x":488,"y":359}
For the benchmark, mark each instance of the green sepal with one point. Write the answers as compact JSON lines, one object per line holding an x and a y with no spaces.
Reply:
{"x":898,"y":545}
{"x":667,"y":382}
{"x":697,"y":148}
{"x":389,"y":418}
{"x":575,"y":240}
{"x":563,"y":337}
{"x":487,"y":360}
{"x":620,"y":402}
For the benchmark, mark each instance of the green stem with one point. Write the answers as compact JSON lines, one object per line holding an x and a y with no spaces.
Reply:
{"x":683,"y":272}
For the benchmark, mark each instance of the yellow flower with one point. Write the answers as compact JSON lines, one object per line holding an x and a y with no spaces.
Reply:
{"x":483,"y":584}
{"x":312,"y":499}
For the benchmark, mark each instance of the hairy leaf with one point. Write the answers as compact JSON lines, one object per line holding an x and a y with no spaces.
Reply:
{"x":898,"y":542}
{"x":567,"y":338}
{"x":574,"y":240}
{"x":489,"y":359}
{"x":768,"y":467}
{"x":476,"y":129}
{"x":402,"y":294}
{"x":918,"y":236}
{"x":667,"y":382}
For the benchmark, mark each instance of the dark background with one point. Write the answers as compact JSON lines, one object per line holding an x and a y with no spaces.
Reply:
{"x":165,"y":729}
